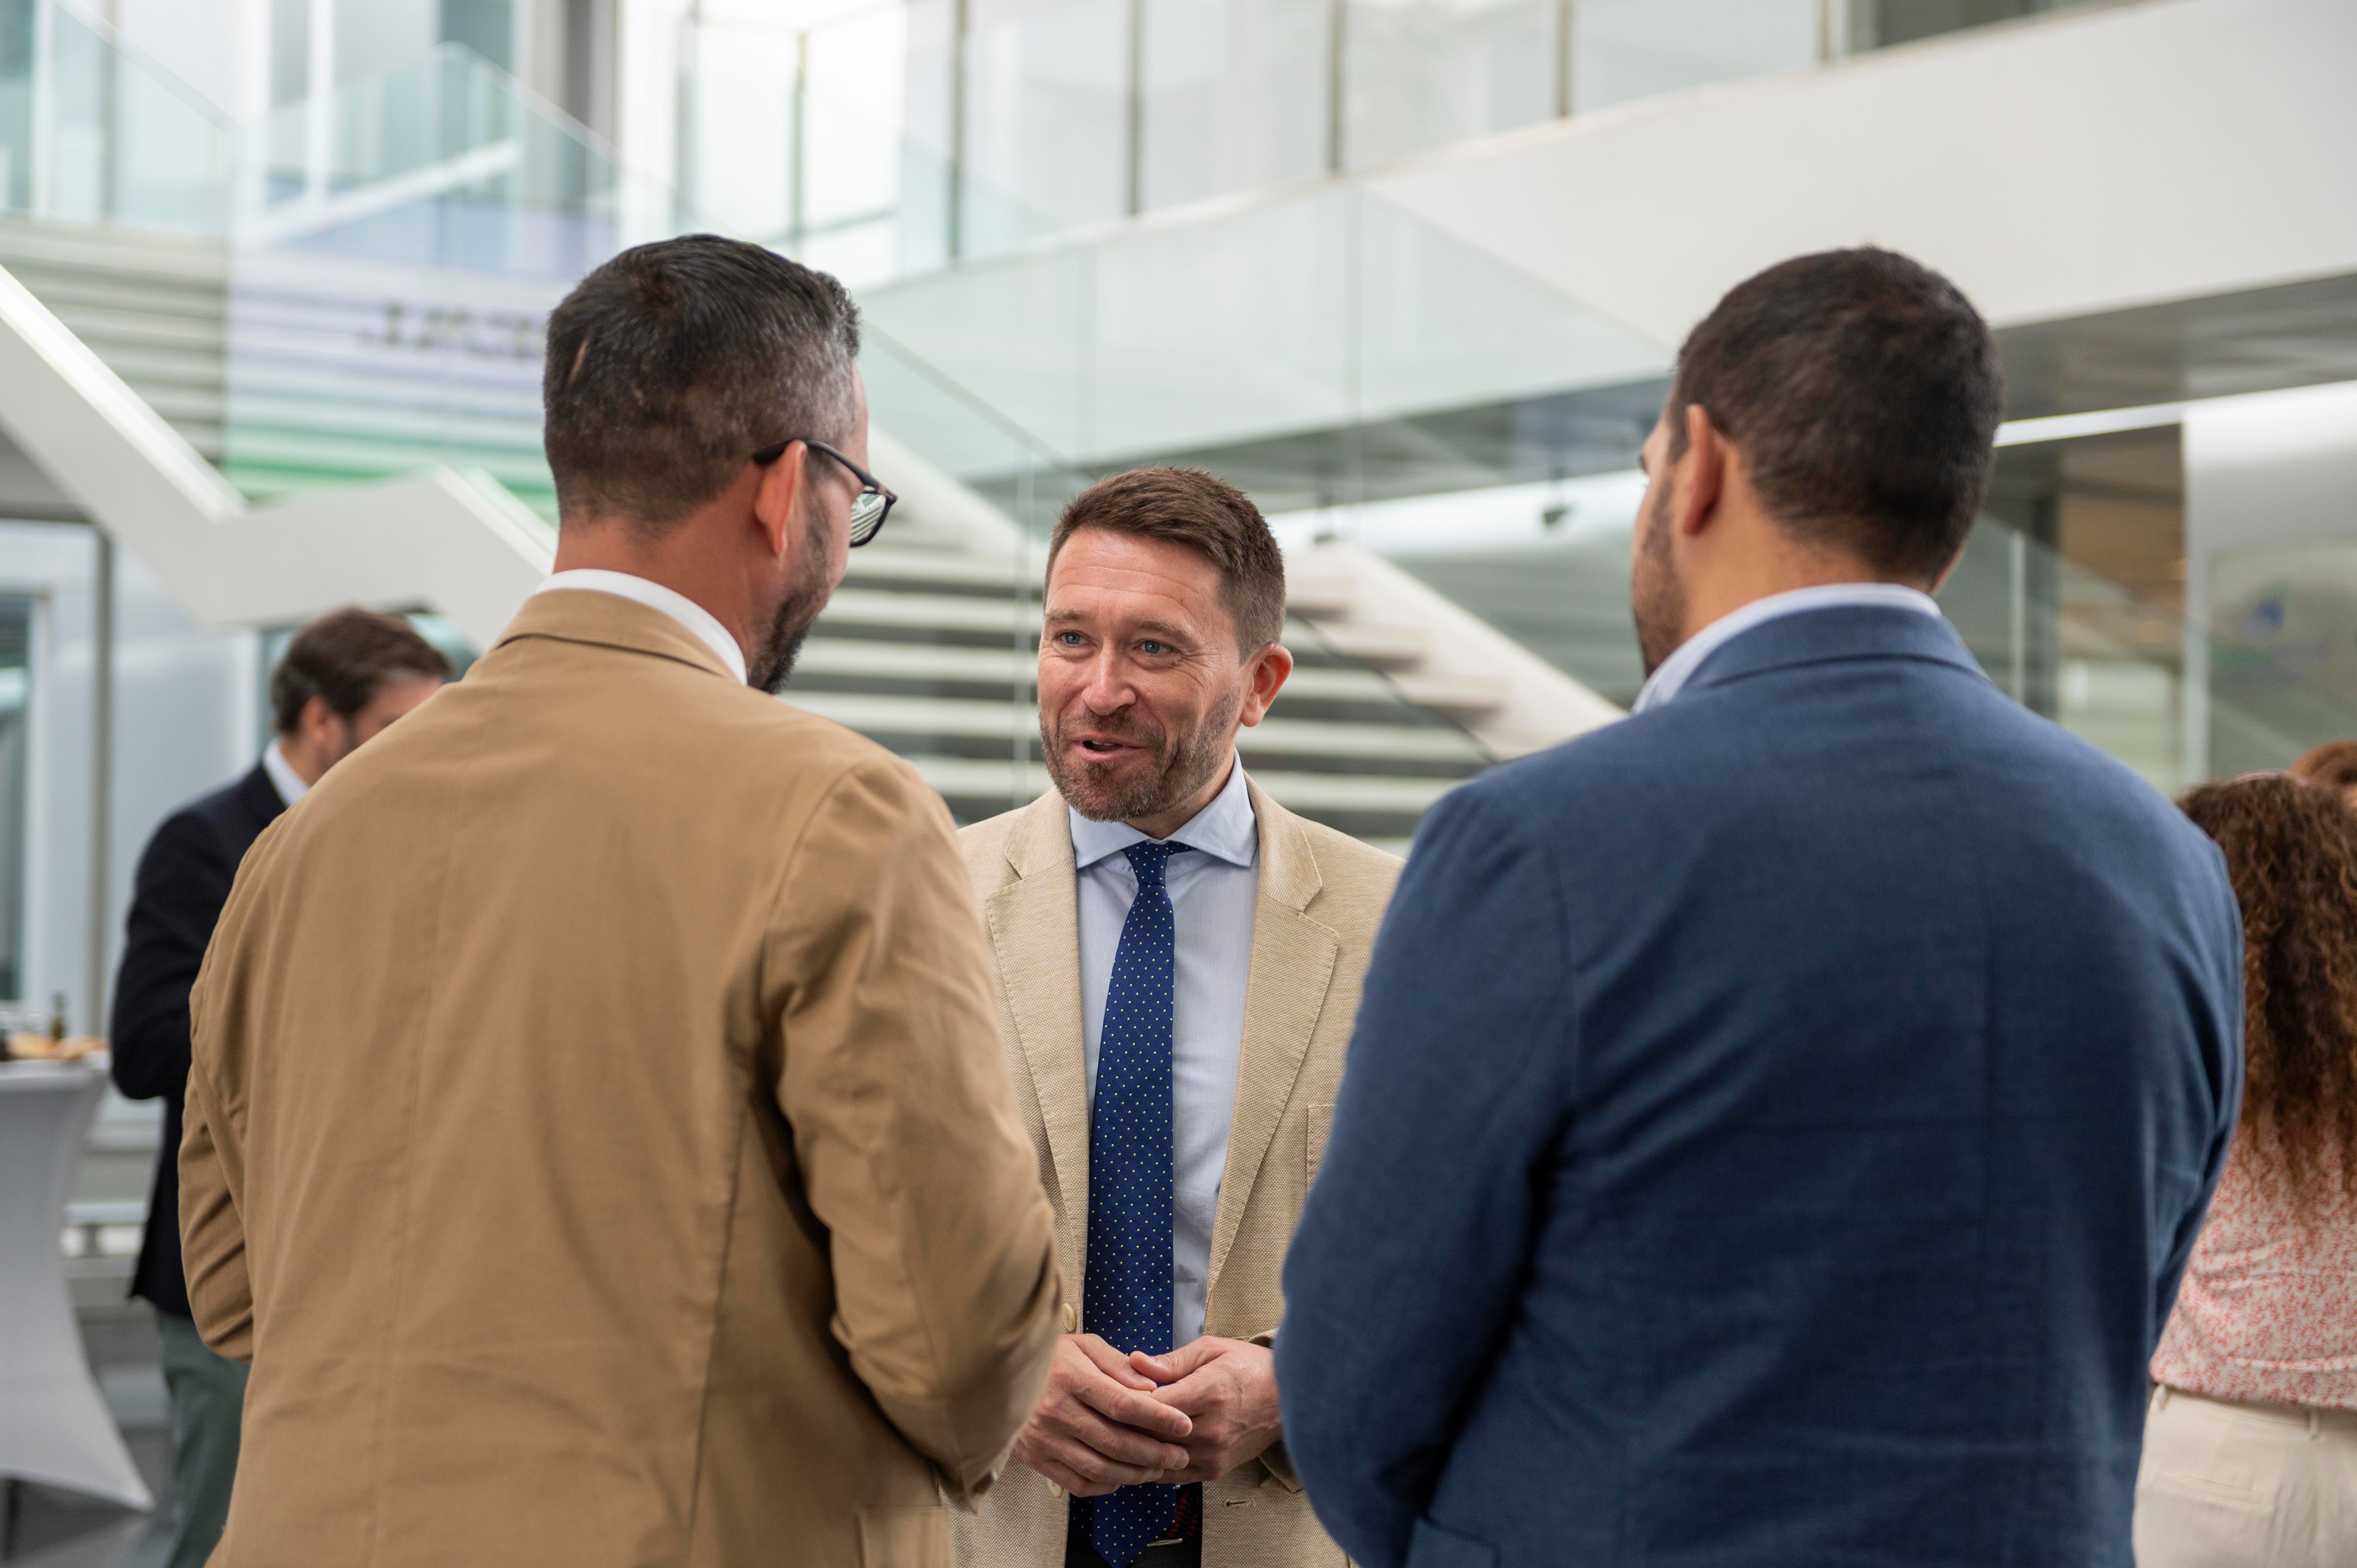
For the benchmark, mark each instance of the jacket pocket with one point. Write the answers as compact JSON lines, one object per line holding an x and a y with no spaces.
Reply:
{"x":904,"y":1538}
{"x":1320,"y":1122}
{"x":1432,"y":1546}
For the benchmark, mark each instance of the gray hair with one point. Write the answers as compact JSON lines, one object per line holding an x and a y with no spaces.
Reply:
{"x":672,"y":364}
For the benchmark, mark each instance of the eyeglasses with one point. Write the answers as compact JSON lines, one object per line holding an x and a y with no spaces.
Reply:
{"x":869,"y":508}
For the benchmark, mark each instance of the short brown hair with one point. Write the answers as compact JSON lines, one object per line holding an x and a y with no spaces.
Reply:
{"x":671,"y":365}
{"x":2332,"y":765}
{"x":1864,"y":390}
{"x":344,"y":658}
{"x":1206,"y":513}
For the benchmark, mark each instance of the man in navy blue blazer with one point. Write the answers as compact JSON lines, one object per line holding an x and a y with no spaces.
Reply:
{"x":1776,"y":1124}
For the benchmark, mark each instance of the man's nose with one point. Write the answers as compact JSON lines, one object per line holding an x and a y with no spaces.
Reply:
{"x":1107,"y":688}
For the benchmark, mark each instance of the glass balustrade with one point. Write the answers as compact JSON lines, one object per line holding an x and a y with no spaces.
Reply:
{"x":94,"y":134}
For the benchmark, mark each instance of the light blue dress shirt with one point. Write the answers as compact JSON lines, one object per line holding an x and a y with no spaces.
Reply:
{"x":1212,"y":891}
{"x":1678,"y":669}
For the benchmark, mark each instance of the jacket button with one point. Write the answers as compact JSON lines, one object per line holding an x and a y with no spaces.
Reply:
{"x":1071,"y":1318}
{"x":1055,"y":1491}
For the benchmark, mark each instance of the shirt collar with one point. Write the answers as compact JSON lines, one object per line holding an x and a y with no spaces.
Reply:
{"x":1223,"y":830}
{"x":283,"y":776}
{"x":655,"y":596}
{"x":1679,"y":668}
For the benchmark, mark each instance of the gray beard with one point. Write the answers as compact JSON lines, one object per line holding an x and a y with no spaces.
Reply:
{"x":772,"y":664}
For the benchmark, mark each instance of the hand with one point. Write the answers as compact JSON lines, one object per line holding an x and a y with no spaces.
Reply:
{"x":1228,"y":1389}
{"x":1098,"y":1427}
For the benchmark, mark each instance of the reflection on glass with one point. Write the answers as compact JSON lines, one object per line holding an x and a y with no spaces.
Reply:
{"x":1422,"y":73}
{"x":1624,"y":50}
{"x":1234,"y":97}
{"x":1047,"y":109}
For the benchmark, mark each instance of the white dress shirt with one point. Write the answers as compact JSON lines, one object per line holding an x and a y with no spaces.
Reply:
{"x":655,"y":596}
{"x":283,"y":776}
{"x":1678,"y":669}
{"x":1213,"y":889}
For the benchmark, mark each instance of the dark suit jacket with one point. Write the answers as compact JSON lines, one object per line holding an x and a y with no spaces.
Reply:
{"x":1772,"y":1134}
{"x":184,"y":879}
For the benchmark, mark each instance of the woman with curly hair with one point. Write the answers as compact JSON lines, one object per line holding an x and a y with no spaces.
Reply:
{"x":2250,"y":1450}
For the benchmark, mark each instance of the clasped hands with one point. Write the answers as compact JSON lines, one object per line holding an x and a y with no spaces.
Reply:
{"x":1109,"y":1421}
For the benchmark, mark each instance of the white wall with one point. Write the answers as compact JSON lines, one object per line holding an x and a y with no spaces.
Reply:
{"x":2084,"y":163}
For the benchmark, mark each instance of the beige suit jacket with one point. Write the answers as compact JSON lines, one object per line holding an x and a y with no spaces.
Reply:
{"x":1321,"y":896}
{"x":598,"y":1139}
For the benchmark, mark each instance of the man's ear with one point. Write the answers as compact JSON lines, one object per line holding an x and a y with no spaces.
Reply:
{"x":1270,"y":668}
{"x":778,"y":499}
{"x":1706,"y":473}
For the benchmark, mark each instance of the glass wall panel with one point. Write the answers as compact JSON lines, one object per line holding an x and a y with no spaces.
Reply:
{"x":90,"y":134}
{"x":16,"y":687}
{"x":1235,"y":95}
{"x":1624,"y":50}
{"x":1046,"y":111}
{"x":1423,"y":73}
{"x":736,"y":153}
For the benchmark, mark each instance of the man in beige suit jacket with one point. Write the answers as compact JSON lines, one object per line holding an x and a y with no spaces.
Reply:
{"x":596,"y":1138}
{"x":1156,"y":914}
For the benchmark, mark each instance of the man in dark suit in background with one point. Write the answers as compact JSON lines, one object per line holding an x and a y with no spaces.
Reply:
{"x":1776,"y":1124}
{"x":344,"y":677}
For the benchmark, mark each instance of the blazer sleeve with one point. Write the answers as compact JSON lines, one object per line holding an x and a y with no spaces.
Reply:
{"x":213,"y":1233}
{"x":905,"y":1127}
{"x":211,"y":1154}
{"x":183,"y":880}
{"x":1405,"y":1269}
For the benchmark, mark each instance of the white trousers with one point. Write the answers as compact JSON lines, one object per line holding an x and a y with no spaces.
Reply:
{"x":2227,"y":1485}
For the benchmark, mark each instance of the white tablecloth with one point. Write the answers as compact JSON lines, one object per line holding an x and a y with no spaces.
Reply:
{"x":54,"y":1427}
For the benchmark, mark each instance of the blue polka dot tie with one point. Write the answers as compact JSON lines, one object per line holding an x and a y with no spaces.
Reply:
{"x":1127,"y":1295}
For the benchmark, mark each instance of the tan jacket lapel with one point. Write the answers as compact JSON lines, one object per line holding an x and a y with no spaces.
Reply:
{"x":1035,"y":926}
{"x":1292,"y":961}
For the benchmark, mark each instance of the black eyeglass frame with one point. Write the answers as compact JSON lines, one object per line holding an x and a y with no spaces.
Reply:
{"x":863,"y":530}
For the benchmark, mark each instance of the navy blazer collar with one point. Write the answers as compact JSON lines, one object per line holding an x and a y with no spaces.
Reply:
{"x":1838,"y":632}
{"x":260,"y":798}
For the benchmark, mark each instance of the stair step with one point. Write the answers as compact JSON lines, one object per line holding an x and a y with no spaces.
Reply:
{"x":1384,"y":646}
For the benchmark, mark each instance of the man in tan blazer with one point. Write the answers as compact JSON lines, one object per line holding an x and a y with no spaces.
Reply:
{"x":1179,"y":962}
{"x":596,"y":1138}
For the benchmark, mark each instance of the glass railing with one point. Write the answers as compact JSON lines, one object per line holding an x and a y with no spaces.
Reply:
{"x":1260,"y":335}
{"x":94,"y":134}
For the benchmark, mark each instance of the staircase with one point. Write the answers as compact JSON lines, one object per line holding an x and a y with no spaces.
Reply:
{"x":154,"y":306}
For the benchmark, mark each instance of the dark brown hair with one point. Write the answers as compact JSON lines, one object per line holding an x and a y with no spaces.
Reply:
{"x":671,"y":365}
{"x":2291,"y":851}
{"x":1864,"y":391}
{"x":2332,"y":765}
{"x":344,"y":658}
{"x":1206,"y":513}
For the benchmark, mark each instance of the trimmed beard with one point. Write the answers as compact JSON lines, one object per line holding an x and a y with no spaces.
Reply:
{"x":1657,"y":594}
{"x":772,"y":664}
{"x":1188,"y":762}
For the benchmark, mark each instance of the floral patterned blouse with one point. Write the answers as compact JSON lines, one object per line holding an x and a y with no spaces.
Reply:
{"x":2269,"y":1309}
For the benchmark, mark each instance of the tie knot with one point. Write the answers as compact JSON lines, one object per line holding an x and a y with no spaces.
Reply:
{"x":1150,"y":859}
